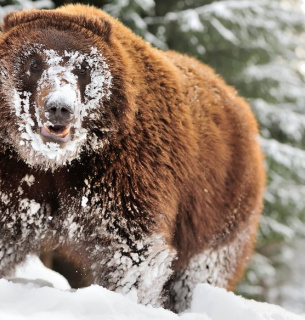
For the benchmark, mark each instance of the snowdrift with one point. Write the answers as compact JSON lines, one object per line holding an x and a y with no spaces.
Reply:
{"x":30,"y":295}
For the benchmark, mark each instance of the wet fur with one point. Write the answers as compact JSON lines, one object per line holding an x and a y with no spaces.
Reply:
{"x":183,"y":160}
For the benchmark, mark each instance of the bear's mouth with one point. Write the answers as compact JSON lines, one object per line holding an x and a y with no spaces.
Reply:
{"x":57,"y":133}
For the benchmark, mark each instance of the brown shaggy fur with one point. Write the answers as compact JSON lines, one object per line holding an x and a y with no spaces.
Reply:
{"x":183,"y":161}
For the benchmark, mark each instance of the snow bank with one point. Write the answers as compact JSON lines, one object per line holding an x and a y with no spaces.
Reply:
{"x":218,"y":304}
{"x":33,"y":299}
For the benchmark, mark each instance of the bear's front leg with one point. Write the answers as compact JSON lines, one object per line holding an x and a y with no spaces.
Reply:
{"x":144,"y":265}
{"x":19,"y":236}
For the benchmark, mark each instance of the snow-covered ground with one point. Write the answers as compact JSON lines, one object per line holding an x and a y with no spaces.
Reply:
{"x":50,"y":298}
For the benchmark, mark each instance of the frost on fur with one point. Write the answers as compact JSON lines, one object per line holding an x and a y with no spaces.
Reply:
{"x":60,"y":77}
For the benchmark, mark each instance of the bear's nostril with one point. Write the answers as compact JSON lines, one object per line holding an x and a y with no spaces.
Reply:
{"x":58,"y":112}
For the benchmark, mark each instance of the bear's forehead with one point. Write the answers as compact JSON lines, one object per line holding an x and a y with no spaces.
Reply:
{"x":53,"y":38}
{"x":57,"y":57}
{"x":37,"y":40}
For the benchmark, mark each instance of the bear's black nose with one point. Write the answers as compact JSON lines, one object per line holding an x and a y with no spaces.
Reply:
{"x":58,"y":112}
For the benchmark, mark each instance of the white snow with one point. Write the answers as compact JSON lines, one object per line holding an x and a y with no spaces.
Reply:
{"x":284,"y":154}
{"x":29,"y":179}
{"x":226,"y":33}
{"x":84,"y":201}
{"x":190,"y":22}
{"x":37,"y":299}
{"x":33,"y":271}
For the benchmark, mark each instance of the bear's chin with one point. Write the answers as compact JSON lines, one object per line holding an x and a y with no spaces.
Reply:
{"x":50,"y":155}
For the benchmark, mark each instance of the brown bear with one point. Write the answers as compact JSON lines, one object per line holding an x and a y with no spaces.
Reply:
{"x":140,"y":166}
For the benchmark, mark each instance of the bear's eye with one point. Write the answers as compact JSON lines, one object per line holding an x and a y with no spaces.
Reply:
{"x":35,"y":66}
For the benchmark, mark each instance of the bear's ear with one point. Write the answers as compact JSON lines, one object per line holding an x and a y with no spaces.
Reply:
{"x":97,"y":25}
{"x":10,"y":20}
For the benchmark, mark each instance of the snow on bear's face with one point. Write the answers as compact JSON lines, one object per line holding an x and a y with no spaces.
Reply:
{"x":55,"y":97}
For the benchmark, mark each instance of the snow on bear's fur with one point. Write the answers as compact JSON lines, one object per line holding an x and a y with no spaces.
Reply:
{"x":140,"y":168}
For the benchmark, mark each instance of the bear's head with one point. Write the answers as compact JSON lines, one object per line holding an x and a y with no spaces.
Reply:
{"x":57,"y":74}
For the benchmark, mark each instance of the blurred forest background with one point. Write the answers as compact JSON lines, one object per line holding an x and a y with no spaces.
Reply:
{"x":258,"y":46}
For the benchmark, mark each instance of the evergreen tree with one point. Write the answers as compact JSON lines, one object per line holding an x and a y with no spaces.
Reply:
{"x":11,"y":5}
{"x":132,"y":14}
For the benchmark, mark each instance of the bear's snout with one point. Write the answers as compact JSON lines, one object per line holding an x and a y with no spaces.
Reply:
{"x":58,"y":113}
